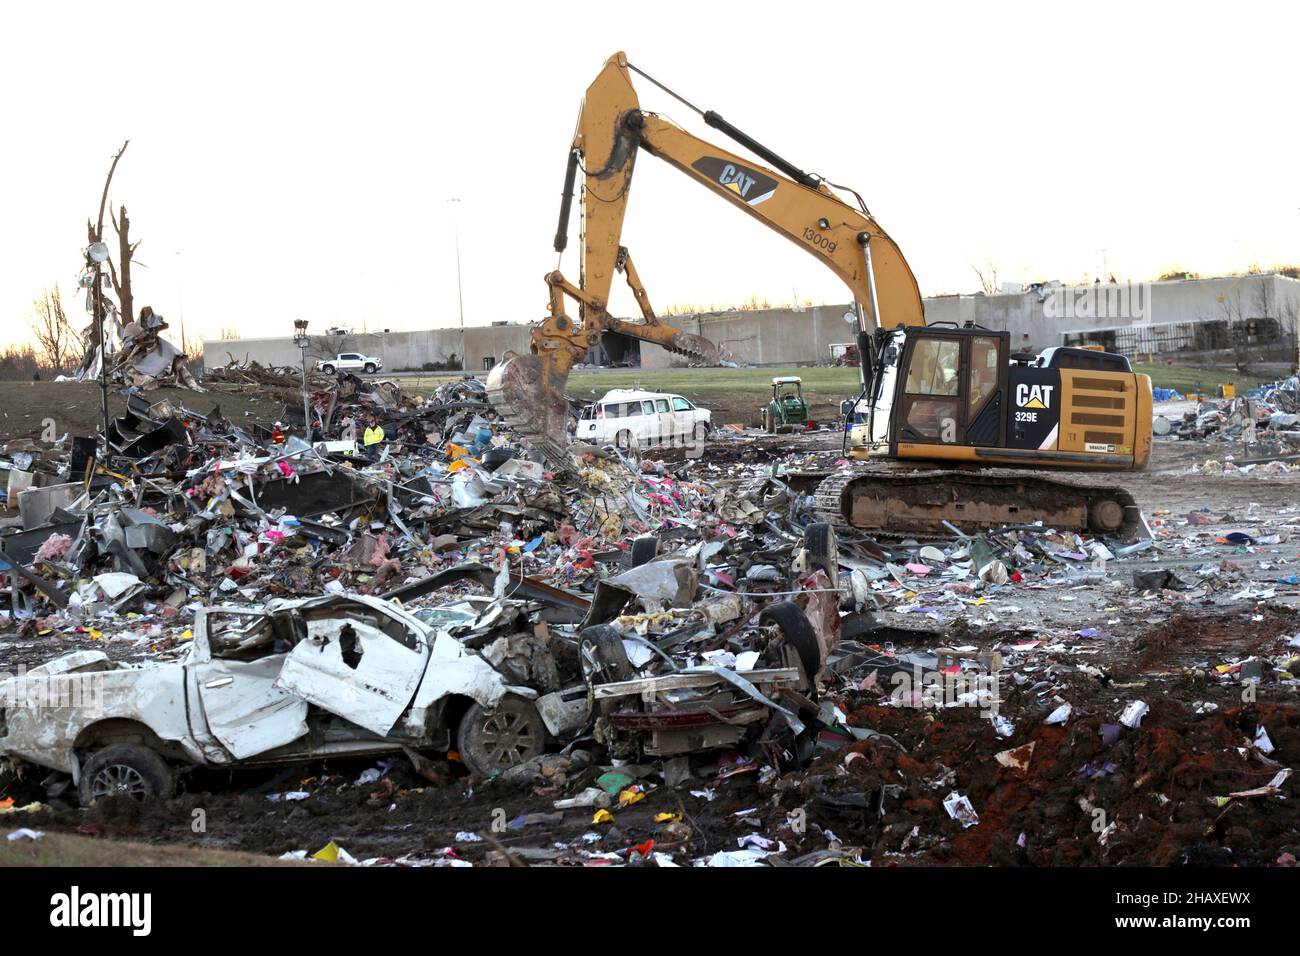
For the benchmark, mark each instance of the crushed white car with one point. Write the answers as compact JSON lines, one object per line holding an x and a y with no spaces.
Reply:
{"x":296,"y":680}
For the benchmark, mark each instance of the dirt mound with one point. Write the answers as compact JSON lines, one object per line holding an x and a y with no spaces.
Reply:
{"x":1088,"y":793}
{"x":1187,"y":639}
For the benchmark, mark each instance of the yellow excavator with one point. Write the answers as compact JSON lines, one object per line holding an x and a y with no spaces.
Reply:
{"x":951,"y":404}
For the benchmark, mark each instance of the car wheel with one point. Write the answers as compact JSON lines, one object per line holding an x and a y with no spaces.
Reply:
{"x":327,"y":369}
{"x":823,"y":550}
{"x":496,"y":740}
{"x":370,"y":367}
{"x":623,"y":440}
{"x":798,"y":633}
{"x":125,"y":770}
{"x":701,"y":431}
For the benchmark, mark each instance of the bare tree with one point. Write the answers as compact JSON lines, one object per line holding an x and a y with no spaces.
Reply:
{"x":54,"y":333}
{"x":19,"y":363}
{"x":120,"y":272}
{"x":988,"y":277}
{"x":125,"y":253}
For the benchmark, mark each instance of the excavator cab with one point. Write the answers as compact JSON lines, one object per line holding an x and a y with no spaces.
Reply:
{"x":944,"y":393}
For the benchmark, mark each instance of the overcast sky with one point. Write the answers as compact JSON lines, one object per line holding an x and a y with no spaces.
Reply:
{"x":297,"y":160}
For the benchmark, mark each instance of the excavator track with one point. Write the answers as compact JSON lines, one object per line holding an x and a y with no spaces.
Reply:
{"x":900,"y":502}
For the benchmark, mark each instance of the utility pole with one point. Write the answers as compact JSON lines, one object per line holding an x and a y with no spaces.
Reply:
{"x":301,"y":339}
{"x":460,"y":292}
{"x":180,"y":296}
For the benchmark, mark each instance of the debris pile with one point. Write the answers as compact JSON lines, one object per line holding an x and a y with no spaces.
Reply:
{"x":142,"y":359}
{"x":648,"y":659}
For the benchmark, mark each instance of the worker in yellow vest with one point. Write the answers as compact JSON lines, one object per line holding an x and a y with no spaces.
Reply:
{"x":374,"y":433}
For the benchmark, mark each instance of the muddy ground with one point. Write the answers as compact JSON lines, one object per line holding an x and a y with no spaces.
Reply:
{"x":76,"y":408}
{"x":1085,"y":792}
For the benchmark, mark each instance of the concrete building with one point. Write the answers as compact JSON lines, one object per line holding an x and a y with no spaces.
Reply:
{"x":1186,"y":316}
{"x":1183,"y":317}
{"x":401,"y":351}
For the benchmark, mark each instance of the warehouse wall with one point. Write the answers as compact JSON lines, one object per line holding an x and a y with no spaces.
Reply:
{"x":1035,"y":320}
{"x":399,"y":350}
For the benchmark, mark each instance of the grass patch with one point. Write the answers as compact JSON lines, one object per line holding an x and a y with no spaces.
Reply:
{"x":1187,"y":378}
{"x":735,"y":394}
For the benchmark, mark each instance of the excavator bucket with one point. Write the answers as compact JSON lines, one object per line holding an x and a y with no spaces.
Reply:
{"x":528,"y":392}
{"x":697,"y":347}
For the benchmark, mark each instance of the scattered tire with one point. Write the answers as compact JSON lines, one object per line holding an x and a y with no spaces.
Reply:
{"x":823,"y":550}
{"x":125,"y":770}
{"x":798,"y":633}
{"x":494,"y":741}
{"x":370,"y":368}
{"x":644,"y":548}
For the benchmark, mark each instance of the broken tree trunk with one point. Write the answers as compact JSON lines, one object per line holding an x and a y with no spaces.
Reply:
{"x":122,"y":276}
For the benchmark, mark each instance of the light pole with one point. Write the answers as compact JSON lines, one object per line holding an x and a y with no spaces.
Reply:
{"x":180,"y":293}
{"x":460,"y":293}
{"x":301,"y":340}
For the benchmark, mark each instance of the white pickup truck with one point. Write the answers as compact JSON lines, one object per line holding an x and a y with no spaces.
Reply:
{"x":350,"y":362}
{"x":294,"y":680}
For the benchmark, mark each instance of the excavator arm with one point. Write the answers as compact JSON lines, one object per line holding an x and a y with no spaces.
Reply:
{"x":612,"y":129}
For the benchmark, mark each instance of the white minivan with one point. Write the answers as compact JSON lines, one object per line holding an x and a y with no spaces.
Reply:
{"x":629,"y":418}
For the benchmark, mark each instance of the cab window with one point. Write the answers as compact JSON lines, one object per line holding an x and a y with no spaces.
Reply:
{"x":681,"y":404}
{"x":933,"y":369}
{"x":983,"y":369}
{"x":661,"y":404}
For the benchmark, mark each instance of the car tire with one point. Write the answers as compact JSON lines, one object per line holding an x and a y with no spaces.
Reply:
{"x":644,"y":548}
{"x":370,"y":368}
{"x":701,"y":431}
{"x":493,"y":741}
{"x":798,"y":632}
{"x":823,"y":550}
{"x":623,"y":441}
{"x":327,"y":369}
{"x":125,"y":770}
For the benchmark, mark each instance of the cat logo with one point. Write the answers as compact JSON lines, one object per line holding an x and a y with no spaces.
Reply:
{"x":1034,"y":396}
{"x":750,"y":185}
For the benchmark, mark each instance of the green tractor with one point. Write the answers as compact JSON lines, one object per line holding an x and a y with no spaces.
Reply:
{"x":787,"y":410}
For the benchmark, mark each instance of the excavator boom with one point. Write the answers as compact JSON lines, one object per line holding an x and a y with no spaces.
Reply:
{"x":612,"y":129}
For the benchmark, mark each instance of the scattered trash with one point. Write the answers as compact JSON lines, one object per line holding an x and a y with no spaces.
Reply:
{"x":651,"y":660}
